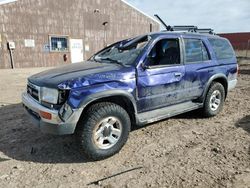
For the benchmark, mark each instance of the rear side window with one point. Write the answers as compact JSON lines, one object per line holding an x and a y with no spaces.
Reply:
{"x":222,"y":49}
{"x":195,"y":51}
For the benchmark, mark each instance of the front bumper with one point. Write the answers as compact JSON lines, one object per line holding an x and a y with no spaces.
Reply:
{"x":55,"y":125}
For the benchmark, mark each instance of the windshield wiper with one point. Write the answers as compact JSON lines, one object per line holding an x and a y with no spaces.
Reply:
{"x":112,"y":60}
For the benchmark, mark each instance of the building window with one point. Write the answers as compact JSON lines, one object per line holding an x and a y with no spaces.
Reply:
{"x":58,"y":43}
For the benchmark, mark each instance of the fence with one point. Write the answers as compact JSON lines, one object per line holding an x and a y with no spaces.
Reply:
{"x":242,"y":49}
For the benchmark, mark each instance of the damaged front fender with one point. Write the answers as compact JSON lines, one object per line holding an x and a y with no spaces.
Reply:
{"x":80,"y":98}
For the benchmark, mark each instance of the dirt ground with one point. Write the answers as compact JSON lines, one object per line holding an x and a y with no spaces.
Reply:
{"x":184,"y":151}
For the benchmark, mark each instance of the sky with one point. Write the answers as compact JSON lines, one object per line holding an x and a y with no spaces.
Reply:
{"x":224,"y":16}
{"x":5,"y":1}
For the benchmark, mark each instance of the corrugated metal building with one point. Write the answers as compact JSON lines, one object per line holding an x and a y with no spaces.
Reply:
{"x":41,"y":32}
{"x":240,"y":41}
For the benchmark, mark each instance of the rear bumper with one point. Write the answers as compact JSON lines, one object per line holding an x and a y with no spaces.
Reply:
{"x":232,"y":84}
{"x":55,"y":125}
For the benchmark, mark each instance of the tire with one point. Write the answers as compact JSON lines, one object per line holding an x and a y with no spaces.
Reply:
{"x":214,"y":100}
{"x":103,"y":131}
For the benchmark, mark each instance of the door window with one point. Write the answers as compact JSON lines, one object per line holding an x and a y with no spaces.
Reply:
{"x":165,"y":52}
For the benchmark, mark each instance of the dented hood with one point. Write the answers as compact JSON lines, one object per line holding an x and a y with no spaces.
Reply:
{"x":85,"y":73}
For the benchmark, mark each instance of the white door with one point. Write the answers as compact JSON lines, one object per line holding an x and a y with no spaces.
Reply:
{"x":76,"y":49}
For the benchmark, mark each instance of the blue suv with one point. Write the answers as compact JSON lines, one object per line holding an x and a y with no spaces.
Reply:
{"x":132,"y":82}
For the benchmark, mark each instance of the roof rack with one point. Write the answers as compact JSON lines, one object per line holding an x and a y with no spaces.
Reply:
{"x":206,"y":30}
{"x":188,"y":28}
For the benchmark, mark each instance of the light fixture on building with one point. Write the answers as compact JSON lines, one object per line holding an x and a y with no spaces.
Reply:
{"x":96,"y":11}
{"x":105,"y":24}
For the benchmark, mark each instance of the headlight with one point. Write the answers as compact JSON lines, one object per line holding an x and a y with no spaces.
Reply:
{"x":49,"y":95}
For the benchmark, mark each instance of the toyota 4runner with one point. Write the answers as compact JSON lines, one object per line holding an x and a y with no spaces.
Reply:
{"x":132,"y":82}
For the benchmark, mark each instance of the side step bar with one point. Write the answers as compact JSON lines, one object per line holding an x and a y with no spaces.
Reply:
{"x":167,"y":112}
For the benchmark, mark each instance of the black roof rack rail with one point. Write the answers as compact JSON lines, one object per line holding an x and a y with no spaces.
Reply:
{"x":205,"y":30}
{"x":188,"y":28}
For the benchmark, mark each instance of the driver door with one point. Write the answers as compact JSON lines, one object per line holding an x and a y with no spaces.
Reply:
{"x":160,"y":78}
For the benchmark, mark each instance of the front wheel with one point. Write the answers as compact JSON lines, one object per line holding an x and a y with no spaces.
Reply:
{"x":215,"y":99}
{"x":103,"y":131}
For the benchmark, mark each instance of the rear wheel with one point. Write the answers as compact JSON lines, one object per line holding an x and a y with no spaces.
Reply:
{"x":103,"y":131}
{"x":214,"y":101}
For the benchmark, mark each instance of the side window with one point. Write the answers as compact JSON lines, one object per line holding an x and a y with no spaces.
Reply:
{"x":195,"y":51}
{"x":165,"y":52}
{"x":222,"y":48}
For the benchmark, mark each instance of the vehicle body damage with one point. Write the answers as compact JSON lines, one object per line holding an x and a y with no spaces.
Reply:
{"x":151,"y":77}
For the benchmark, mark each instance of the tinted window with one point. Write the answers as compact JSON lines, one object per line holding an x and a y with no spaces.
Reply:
{"x":222,"y":48}
{"x":165,"y":52}
{"x":195,"y":51}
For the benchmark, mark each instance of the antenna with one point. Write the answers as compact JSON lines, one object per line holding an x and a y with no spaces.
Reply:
{"x":168,"y":27}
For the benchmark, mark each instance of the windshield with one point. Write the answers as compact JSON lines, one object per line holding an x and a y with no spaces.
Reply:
{"x":124,"y":52}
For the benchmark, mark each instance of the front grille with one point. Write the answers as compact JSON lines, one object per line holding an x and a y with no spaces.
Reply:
{"x":33,"y":92}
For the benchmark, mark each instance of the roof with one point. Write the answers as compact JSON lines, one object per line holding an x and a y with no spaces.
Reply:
{"x":150,"y":17}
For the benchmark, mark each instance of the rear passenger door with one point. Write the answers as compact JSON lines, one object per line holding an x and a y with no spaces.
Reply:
{"x":198,"y":66}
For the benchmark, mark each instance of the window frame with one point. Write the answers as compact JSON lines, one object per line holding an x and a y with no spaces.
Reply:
{"x":204,"y":44}
{"x":152,"y":45}
{"x":59,"y":36}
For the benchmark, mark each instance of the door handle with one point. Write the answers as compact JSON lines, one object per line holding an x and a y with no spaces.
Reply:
{"x":177,"y":74}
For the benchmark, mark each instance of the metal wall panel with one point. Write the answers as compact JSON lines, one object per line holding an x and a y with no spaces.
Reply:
{"x":79,"y":19}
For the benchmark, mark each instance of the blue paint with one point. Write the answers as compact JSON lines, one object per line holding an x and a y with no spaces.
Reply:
{"x":151,"y":88}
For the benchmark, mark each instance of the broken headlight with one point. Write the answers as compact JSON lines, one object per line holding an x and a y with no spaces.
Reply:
{"x":65,"y":112}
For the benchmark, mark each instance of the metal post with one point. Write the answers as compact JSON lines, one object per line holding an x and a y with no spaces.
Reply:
{"x":248,"y":46}
{"x":11,"y":47}
{"x":11,"y":59}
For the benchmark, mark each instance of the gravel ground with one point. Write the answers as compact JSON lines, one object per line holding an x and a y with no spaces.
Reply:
{"x":184,"y":151}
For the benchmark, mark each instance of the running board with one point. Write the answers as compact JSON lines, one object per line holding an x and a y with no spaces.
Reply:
{"x":167,"y":112}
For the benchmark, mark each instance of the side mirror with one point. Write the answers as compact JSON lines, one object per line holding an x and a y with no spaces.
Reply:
{"x":144,"y":66}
